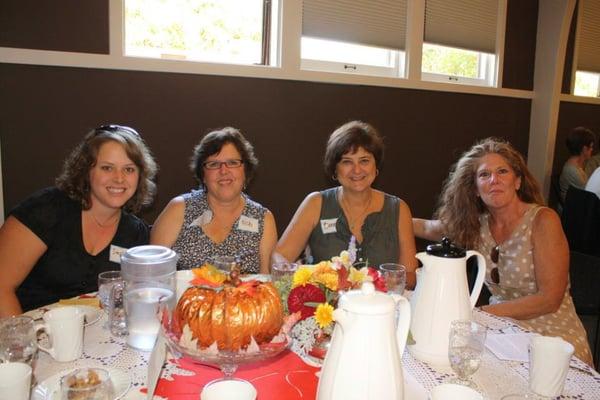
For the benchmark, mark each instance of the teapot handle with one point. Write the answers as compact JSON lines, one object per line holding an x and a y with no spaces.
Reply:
{"x":403,"y":310}
{"x":480,"y":276}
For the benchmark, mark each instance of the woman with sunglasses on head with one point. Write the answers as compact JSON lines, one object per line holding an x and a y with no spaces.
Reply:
{"x":219,"y":219}
{"x":492,"y":203}
{"x":326,"y":221}
{"x":55,"y":243}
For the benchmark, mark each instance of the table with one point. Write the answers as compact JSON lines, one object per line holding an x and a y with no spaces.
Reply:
{"x":289,"y":377}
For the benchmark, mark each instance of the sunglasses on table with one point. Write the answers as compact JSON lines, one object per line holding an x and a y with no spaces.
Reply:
{"x":495,"y":255}
{"x":115,"y":128}
{"x":233,"y":163}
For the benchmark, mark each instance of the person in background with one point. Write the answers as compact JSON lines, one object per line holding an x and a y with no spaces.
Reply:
{"x":219,"y":219}
{"x":593,"y":163}
{"x":492,"y":203}
{"x":327,"y":220}
{"x":54,"y":244}
{"x":580,"y":143}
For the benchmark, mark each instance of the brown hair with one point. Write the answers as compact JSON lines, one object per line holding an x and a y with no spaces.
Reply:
{"x":74,"y":179}
{"x":213,"y":142}
{"x":348,"y":138}
{"x":460,"y":206}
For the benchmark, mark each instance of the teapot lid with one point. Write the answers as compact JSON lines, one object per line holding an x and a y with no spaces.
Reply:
{"x":446,"y":249}
{"x":367,"y":300}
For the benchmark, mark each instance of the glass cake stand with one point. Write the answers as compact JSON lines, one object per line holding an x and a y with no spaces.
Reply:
{"x":226,"y":361}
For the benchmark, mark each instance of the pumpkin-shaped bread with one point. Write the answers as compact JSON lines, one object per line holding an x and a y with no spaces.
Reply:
{"x":231,"y":316}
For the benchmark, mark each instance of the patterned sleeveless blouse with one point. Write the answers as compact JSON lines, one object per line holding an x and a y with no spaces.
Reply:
{"x":517,"y":279}
{"x":195,"y":248}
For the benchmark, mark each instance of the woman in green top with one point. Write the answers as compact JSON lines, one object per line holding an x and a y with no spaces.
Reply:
{"x":327,"y":221}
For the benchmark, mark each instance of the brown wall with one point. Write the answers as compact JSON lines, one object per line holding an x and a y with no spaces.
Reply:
{"x":46,"y":110}
{"x":519,"y":44}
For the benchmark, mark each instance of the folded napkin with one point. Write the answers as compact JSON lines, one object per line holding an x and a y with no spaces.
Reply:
{"x":80,"y":301}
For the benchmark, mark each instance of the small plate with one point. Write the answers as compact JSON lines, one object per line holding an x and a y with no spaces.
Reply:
{"x":48,"y":389}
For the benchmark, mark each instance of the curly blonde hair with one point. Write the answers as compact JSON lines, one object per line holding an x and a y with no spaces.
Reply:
{"x":74,"y":179}
{"x":460,"y":207}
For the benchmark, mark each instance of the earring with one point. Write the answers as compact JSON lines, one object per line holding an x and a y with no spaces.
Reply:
{"x":334,"y":177}
{"x":376,"y":172}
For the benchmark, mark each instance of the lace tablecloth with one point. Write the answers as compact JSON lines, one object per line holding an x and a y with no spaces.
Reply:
{"x":495,"y":378}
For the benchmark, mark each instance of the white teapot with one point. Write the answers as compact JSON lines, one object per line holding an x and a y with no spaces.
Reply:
{"x":364,"y":358}
{"x":441,"y":296}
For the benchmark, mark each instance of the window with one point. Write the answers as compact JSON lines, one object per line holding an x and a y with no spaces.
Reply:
{"x":460,"y":41}
{"x":354,"y":36}
{"x":224,"y":31}
{"x":588,"y":50}
{"x":587,"y":84}
{"x":449,"y":64}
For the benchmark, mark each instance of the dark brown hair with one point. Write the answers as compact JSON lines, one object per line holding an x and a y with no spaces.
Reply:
{"x":579,"y":137}
{"x":348,"y":138}
{"x":74,"y":179}
{"x":213,"y":142}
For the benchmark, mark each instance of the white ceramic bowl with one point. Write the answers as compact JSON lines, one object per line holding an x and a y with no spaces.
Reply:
{"x":228,"y":389}
{"x":451,"y":391}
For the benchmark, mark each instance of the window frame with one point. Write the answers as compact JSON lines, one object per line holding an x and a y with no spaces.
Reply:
{"x":486,"y":64}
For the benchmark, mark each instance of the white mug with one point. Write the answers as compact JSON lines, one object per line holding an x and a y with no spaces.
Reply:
{"x":451,"y":391}
{"x":228,"y":389}
{"x":549,"y":359}
{"x":15,"y":381}
{"x":64,"y":326}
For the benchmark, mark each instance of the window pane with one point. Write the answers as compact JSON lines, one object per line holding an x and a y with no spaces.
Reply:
{"x":228,"y":31}
{"x":450,"y":61}
{"x":586,"y":84}
{"x":328,"y":50}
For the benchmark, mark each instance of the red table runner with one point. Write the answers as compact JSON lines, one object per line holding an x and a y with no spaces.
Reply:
{"x":283,"y":377}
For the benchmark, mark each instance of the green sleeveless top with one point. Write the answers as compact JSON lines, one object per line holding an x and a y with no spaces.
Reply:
{"x":332,"y":234}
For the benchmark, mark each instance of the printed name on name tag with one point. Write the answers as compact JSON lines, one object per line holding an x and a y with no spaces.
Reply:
{"x":248,"y":224}
{"x":115,"y":253}
{"x":328,"y":225}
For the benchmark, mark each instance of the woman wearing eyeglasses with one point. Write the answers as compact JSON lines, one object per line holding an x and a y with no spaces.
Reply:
{"x":219,"y":219}
{"x":54,"y":244}
{"x":492,"y":203}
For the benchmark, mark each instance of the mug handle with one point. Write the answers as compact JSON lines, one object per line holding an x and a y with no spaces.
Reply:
{"x":481,"y":268}
{"x":116,"y":307}
{"x":44,"y":327}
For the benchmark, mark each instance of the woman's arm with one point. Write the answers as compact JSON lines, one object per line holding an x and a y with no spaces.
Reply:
{"x":429,"y":229}
{"x":296,"y":235}
{"x":267,"y":242}
{"x":407,"y":245}
{"x":20,"y":249}
{"x":167,"y":226}
{"x":551,"y":264}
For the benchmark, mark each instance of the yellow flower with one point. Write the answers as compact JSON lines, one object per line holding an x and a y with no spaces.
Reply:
{"x":356,"y":276}
{"x":210,"y":273}
{"x":324,"y":267}
{"x":327,"y":279}
{"x":302,"y":276}
{"x":324,"y":315}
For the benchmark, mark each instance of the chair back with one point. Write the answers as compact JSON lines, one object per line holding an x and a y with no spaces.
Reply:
{"x":581,"y":221}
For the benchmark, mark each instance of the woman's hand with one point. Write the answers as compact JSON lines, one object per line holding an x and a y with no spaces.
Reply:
{"x":20,"y":249}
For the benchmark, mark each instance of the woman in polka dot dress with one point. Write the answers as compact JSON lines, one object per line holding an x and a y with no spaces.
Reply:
{"x":492,"y":203}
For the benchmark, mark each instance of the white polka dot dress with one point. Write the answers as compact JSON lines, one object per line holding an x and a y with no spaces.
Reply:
{"x":517,"y":279}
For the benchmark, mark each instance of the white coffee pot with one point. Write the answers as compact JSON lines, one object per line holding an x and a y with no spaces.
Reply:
{"x":364,"y":358}
{"x":440,"y":297}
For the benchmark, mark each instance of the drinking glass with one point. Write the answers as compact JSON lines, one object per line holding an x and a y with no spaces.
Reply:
{"x":282,"y":274}
{"x":465,"y":348}
{"x":106,"y":280}
{"x":394,"y":276}
{"x":226,"y":263}
{"x":87,"y":383}
{"x":18,"y":342}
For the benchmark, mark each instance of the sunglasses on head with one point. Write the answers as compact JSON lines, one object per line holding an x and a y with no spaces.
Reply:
{"x":495,"y":255}
{"x":115,"y":128}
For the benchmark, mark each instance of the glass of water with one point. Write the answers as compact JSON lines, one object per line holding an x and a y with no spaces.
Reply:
{"x":106,"y":280}
{"x":466,"y":343}
{"x":394,"y":276}
{"x":18,"y":342}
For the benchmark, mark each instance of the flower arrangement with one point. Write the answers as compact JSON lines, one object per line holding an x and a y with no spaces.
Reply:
{"x":313,"y":293}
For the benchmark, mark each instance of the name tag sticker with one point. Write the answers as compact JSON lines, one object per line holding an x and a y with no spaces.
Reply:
{"x":203,"y":219}
{"x":248,"y":224}
{"x":115,"y":253}
{"x":328,"y":225}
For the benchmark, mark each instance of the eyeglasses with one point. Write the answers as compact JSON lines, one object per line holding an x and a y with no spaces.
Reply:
{"x":495,"y":255}
{"x":115,"y":128}
{"x":235,"y":163}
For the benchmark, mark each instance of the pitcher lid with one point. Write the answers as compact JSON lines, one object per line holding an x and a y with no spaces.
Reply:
{"x":446,"y":249}
{"x":367,"y":300}
{"x":148,"y":261}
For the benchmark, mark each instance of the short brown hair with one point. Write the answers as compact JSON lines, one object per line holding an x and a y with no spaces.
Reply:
{"x":578,"y":138}
{"x":74,"y":179}
{"x":348,"y":138}
{"x":213,"y":142}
